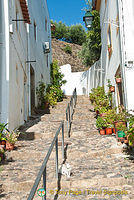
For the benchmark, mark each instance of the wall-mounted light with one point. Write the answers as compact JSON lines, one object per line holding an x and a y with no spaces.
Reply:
{"x":88,"y":19}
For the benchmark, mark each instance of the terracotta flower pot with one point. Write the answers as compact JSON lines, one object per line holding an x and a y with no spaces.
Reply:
{"x":3,"y":142}
{"x":121,"y":139}
{"x":118,"y":80}
{"x":112,"y":89}
{"x":114,"y":131}
{"x":109,"y":49}
{"x":9,"y":146}
{"x":126,"y":141}
{"x":102,"y":131}
{"x":109,"y":131}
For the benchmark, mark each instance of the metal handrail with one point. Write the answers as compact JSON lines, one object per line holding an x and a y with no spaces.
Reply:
{"x":70,"y":111}
{"x":43,"y":167}
{"x":42,"y":172}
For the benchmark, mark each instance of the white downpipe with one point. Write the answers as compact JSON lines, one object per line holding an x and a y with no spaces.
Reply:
{"x":29,"y":77}
{"x":5,"y":67}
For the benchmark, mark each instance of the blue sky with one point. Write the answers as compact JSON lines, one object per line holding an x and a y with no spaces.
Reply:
{"x":68,"y":11}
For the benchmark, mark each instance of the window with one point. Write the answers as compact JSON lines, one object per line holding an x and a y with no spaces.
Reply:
{"x":46,"y":24}
{"x":35,"y":31}
{"x":109,"y":41}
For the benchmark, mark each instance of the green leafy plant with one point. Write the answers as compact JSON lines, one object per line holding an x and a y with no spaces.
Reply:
{"x":91,"y":49}
{"x":101,"y":123}
{"x":73,"y":34}
{"x":68,"y":49}
{"x":130,"y":131}
{"x":40,"y":91}
{"x":2,"y":131}
{"x":12,"y":136}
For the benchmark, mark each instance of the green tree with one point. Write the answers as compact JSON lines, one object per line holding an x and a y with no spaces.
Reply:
{"x":91,"y":49}
{"x":77,"y":34}
{"x":61,"y":30}
{"x":73,"y":34}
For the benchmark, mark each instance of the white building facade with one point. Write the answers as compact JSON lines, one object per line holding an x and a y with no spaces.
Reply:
{"x":117,"y":55}
{"x":24,"y":33}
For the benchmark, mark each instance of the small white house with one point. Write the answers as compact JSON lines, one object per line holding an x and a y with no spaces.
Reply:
{"x":25,"y":57}
{"x":117,"y":55}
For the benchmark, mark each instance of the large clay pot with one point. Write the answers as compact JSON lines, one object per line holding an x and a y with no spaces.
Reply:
{"x":9,"y":146}
{"x":112,"y":89}
{"x":109,"y":131}
{"x":102,"y":132}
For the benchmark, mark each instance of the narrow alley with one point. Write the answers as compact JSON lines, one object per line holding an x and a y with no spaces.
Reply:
{"x":98,"y":163}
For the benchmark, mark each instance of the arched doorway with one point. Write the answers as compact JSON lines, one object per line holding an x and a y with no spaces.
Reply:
{"x":32,"y":86}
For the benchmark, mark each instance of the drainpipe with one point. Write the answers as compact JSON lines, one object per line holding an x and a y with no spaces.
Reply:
{"x":4,"y":61}
{"x":121,"y":39}
{"x":1,"y":52}
{"x":29,"y":77}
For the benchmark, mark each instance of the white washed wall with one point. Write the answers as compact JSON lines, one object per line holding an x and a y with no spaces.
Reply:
{"x":82,"y":81}
{"x":18,"y":57}
{"x":38,"y":12}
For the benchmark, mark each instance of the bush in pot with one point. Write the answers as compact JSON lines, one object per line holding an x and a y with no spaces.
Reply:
{"x":11,"y":138}
{"x":101,"y":125}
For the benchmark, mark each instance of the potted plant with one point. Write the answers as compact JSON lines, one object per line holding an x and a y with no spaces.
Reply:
{"x":130,"y":131}
{"x":118,"y":79}
{"x":11,"y":138}
{"x":121,"y":117}
{"x":103,"y":111}
{"x":110,"y":118}
{"x":109,"y":48}
{"x":2,"y":134}
{"x":110,"y":86}
{"x":101,"y":125}
{"x":121,"y":133}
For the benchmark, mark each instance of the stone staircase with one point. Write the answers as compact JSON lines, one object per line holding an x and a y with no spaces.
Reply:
{"x":98,"y":163}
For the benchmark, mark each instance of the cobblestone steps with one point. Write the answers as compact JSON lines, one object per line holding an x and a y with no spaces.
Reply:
{"x":99,"y":164}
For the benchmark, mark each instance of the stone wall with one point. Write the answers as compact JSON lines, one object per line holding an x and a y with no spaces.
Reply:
{"x":65,"y":58}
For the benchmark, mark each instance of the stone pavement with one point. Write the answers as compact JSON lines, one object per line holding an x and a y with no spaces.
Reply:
{"x":100,"y":166}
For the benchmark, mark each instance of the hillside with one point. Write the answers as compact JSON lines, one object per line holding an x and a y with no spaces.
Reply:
{"x":65,"y":58}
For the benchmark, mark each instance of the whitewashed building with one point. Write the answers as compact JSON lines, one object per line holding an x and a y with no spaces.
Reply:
{"x":117,"y":55}
{"x":25,"y":57}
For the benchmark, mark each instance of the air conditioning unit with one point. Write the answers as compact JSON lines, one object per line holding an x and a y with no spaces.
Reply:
{"x":46,"y":47}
